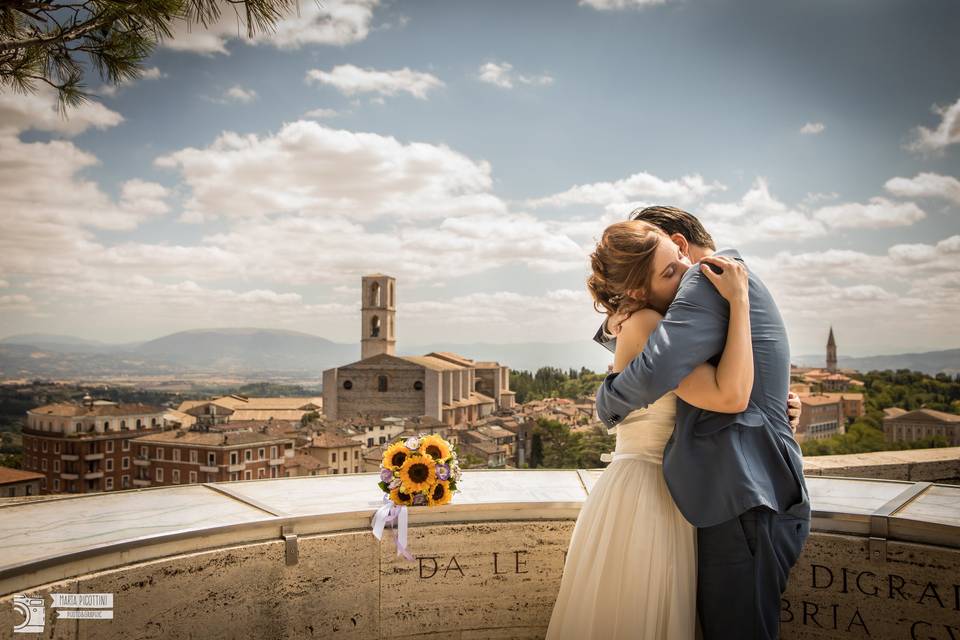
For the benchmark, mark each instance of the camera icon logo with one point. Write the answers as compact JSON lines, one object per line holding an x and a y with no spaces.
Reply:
{"x":34,"y":614}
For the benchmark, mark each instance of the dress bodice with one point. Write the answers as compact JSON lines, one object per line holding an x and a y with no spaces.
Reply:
{"x":646,"y":431}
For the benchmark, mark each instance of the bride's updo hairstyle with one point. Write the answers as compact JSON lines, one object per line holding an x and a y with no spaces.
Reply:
{"x":621,"y":262}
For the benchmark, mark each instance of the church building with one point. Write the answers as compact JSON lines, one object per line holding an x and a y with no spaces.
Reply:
{"x":451,"y":388}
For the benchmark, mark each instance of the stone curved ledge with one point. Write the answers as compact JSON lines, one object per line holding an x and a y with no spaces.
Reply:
{"x":299,"y":555}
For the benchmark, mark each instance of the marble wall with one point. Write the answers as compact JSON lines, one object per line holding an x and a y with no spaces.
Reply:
{"x":470,"y":581}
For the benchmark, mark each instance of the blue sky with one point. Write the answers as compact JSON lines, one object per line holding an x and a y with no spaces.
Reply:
{"x":476,"y":151}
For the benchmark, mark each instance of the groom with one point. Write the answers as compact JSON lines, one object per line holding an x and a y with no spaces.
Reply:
{"x":737,"y":477}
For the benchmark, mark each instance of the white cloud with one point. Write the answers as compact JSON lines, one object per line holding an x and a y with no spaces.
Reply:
{"x":926,"y":185}
{"x":320,"y":114}
{"x":812,"y":128}
{"x":878,"y":213}
{"x":237,"y":93}
{"x":331,"y":22}
{"x":610,"y":5}
{"x":643,"y":185}
{"x":20,"y":112}
{"x":350,"y":80}
{"x":946,"y":133}
{"x":502,"y":75}
{"x":318,"y":171}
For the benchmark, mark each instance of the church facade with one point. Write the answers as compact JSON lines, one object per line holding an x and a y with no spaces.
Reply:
{"x":449,"y":387}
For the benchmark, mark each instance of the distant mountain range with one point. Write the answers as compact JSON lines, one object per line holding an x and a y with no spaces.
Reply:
{"x":267,"y":353}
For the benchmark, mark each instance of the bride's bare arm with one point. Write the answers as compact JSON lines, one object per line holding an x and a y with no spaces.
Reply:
{"x":725,"y":388}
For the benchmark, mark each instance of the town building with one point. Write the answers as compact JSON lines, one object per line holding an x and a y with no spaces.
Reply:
{"x":821,"y":417}
{"x":17,"y":482}
{"x":85,"y":448}
{"x":921,"y":424}
{"x":448,"y":387}
{"x":187,"y":457}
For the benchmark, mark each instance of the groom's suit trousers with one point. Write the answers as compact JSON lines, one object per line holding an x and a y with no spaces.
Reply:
{"x":743,"y":565}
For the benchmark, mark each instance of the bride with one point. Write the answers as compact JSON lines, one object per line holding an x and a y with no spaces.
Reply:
{"x":631,"y":567}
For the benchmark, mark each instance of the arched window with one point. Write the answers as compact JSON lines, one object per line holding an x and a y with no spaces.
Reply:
{"x":391,"y":303}
{"x":138,"y":423}
{"x":418,"y":385}
{"x":375,"y":294}
{"x":347,"y":384}
{"x":106,"y":425}
{"x":389,"y":326}
{"x":153,"y":422}
{"x":382,"y":383}
{"x":123,"y":425}
{"x":375,"y":327}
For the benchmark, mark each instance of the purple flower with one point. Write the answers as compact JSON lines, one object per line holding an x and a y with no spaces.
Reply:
{"x":386,"y":475}
{"x":419,"y":499}
{"x":443,"y":472}
{"x":412,"y":443}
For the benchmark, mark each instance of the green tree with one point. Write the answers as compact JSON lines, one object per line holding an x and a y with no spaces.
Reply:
{"x":57,"y":42}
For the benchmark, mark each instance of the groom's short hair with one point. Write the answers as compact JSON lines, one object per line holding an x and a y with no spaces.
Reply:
{"x":674,"y":220}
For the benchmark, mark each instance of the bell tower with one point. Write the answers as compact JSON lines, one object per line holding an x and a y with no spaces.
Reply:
{"x":378,"y":311}
{"x":831,"y":352}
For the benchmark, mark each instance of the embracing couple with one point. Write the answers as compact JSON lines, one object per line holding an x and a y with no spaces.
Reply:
{"x":694,"y":526}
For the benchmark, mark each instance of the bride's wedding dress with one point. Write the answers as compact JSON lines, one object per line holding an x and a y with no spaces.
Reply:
{"x":631,"y":567}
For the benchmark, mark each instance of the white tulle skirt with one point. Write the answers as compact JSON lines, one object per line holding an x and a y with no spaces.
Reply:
{"x":631,"y":567}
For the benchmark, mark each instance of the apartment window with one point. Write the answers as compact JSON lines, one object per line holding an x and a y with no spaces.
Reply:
{"x":139,"y":424}
{"x":56,"y":484}
{"x":369,"y":442}
{"x":125,"y":462}
{"x":159,"y":453}
{"x":56,"y":447}
{"x":383,"y":439}
{"x":211,"y":459}
{"x":334,"y":471}
{"x":109,"y":446}
{"x":175,"y":475}
{"x":43,"y":464}
{"x":381,"y":427}
{"x":106,"y":425}
{"x":345,"y":470}
{"x":143,"y":452}
{"x":261,"y":452}
{"x":247,"y":455}
{"x":333,"y":456}
{"x":273,"y":452}
{"x":124,"y":482}
{"x":159,"y":475}
{"x":79,"y":427}
{"x":233,"y":476}
{"x":44,"y":446}
{"x":233,"y":457}
{"x":259,"y":473}
{"x":123,"y":425}
{"x":193,"y":455}
{"x":193,"y":477}
{"x":56,"y":466}
{"x":43,"y":483}
{"x":125,"y":446}
{"x":109,"y":483}
{"x":248,"y":475}
{"x":176,"y":455}
{"x":356,"y":454}
{"x":356,"y":469}
{"x":109,"y":462}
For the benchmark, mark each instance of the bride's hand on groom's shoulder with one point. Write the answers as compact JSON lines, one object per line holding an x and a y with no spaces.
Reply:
{"x":615,"y":322}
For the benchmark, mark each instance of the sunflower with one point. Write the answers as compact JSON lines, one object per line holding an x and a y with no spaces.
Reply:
{"x":399,"y":496}
{"x":439,"y":494}
{"x":417,"y":473}
{"x":395,"y":455}
{"x":435,"y":447}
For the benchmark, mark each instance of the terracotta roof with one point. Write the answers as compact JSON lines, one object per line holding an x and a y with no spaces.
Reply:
{"x":210,"y":439}
{"x":10,"y":476}
{"x":433,"y":363}
{"x":843,"y":395}
{"x":307,"y":462}
{"x":452,"y":357}
{"x":71,"y":410}
{"x":818,"y":400}
{"x":926,"y":415}
{"x":892,"y":412}
{"x":328,"y":440}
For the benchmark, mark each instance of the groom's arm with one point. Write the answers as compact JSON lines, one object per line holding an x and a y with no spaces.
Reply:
{"x":692,"y":331}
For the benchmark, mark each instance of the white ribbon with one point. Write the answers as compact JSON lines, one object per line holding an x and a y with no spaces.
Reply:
{"x":397,"y":514}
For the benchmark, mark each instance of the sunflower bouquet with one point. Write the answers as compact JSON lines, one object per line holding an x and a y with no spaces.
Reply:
{"x":416,"y":471}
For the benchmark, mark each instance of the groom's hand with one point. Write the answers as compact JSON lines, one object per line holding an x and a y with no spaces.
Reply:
{"x":793,"y":410}
{"x":614,"y":321}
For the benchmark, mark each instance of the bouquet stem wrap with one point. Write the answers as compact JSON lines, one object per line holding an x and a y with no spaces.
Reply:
{"x":396,"y":514}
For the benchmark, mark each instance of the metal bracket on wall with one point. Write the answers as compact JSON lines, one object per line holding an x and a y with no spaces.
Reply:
{"x":292,"y":547}
{"x":880,"y":520}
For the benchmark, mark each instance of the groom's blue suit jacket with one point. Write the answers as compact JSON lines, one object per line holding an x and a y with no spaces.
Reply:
{"x":716,"y":465}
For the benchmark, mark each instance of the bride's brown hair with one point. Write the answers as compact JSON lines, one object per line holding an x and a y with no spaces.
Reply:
{"x":622,"y":262}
